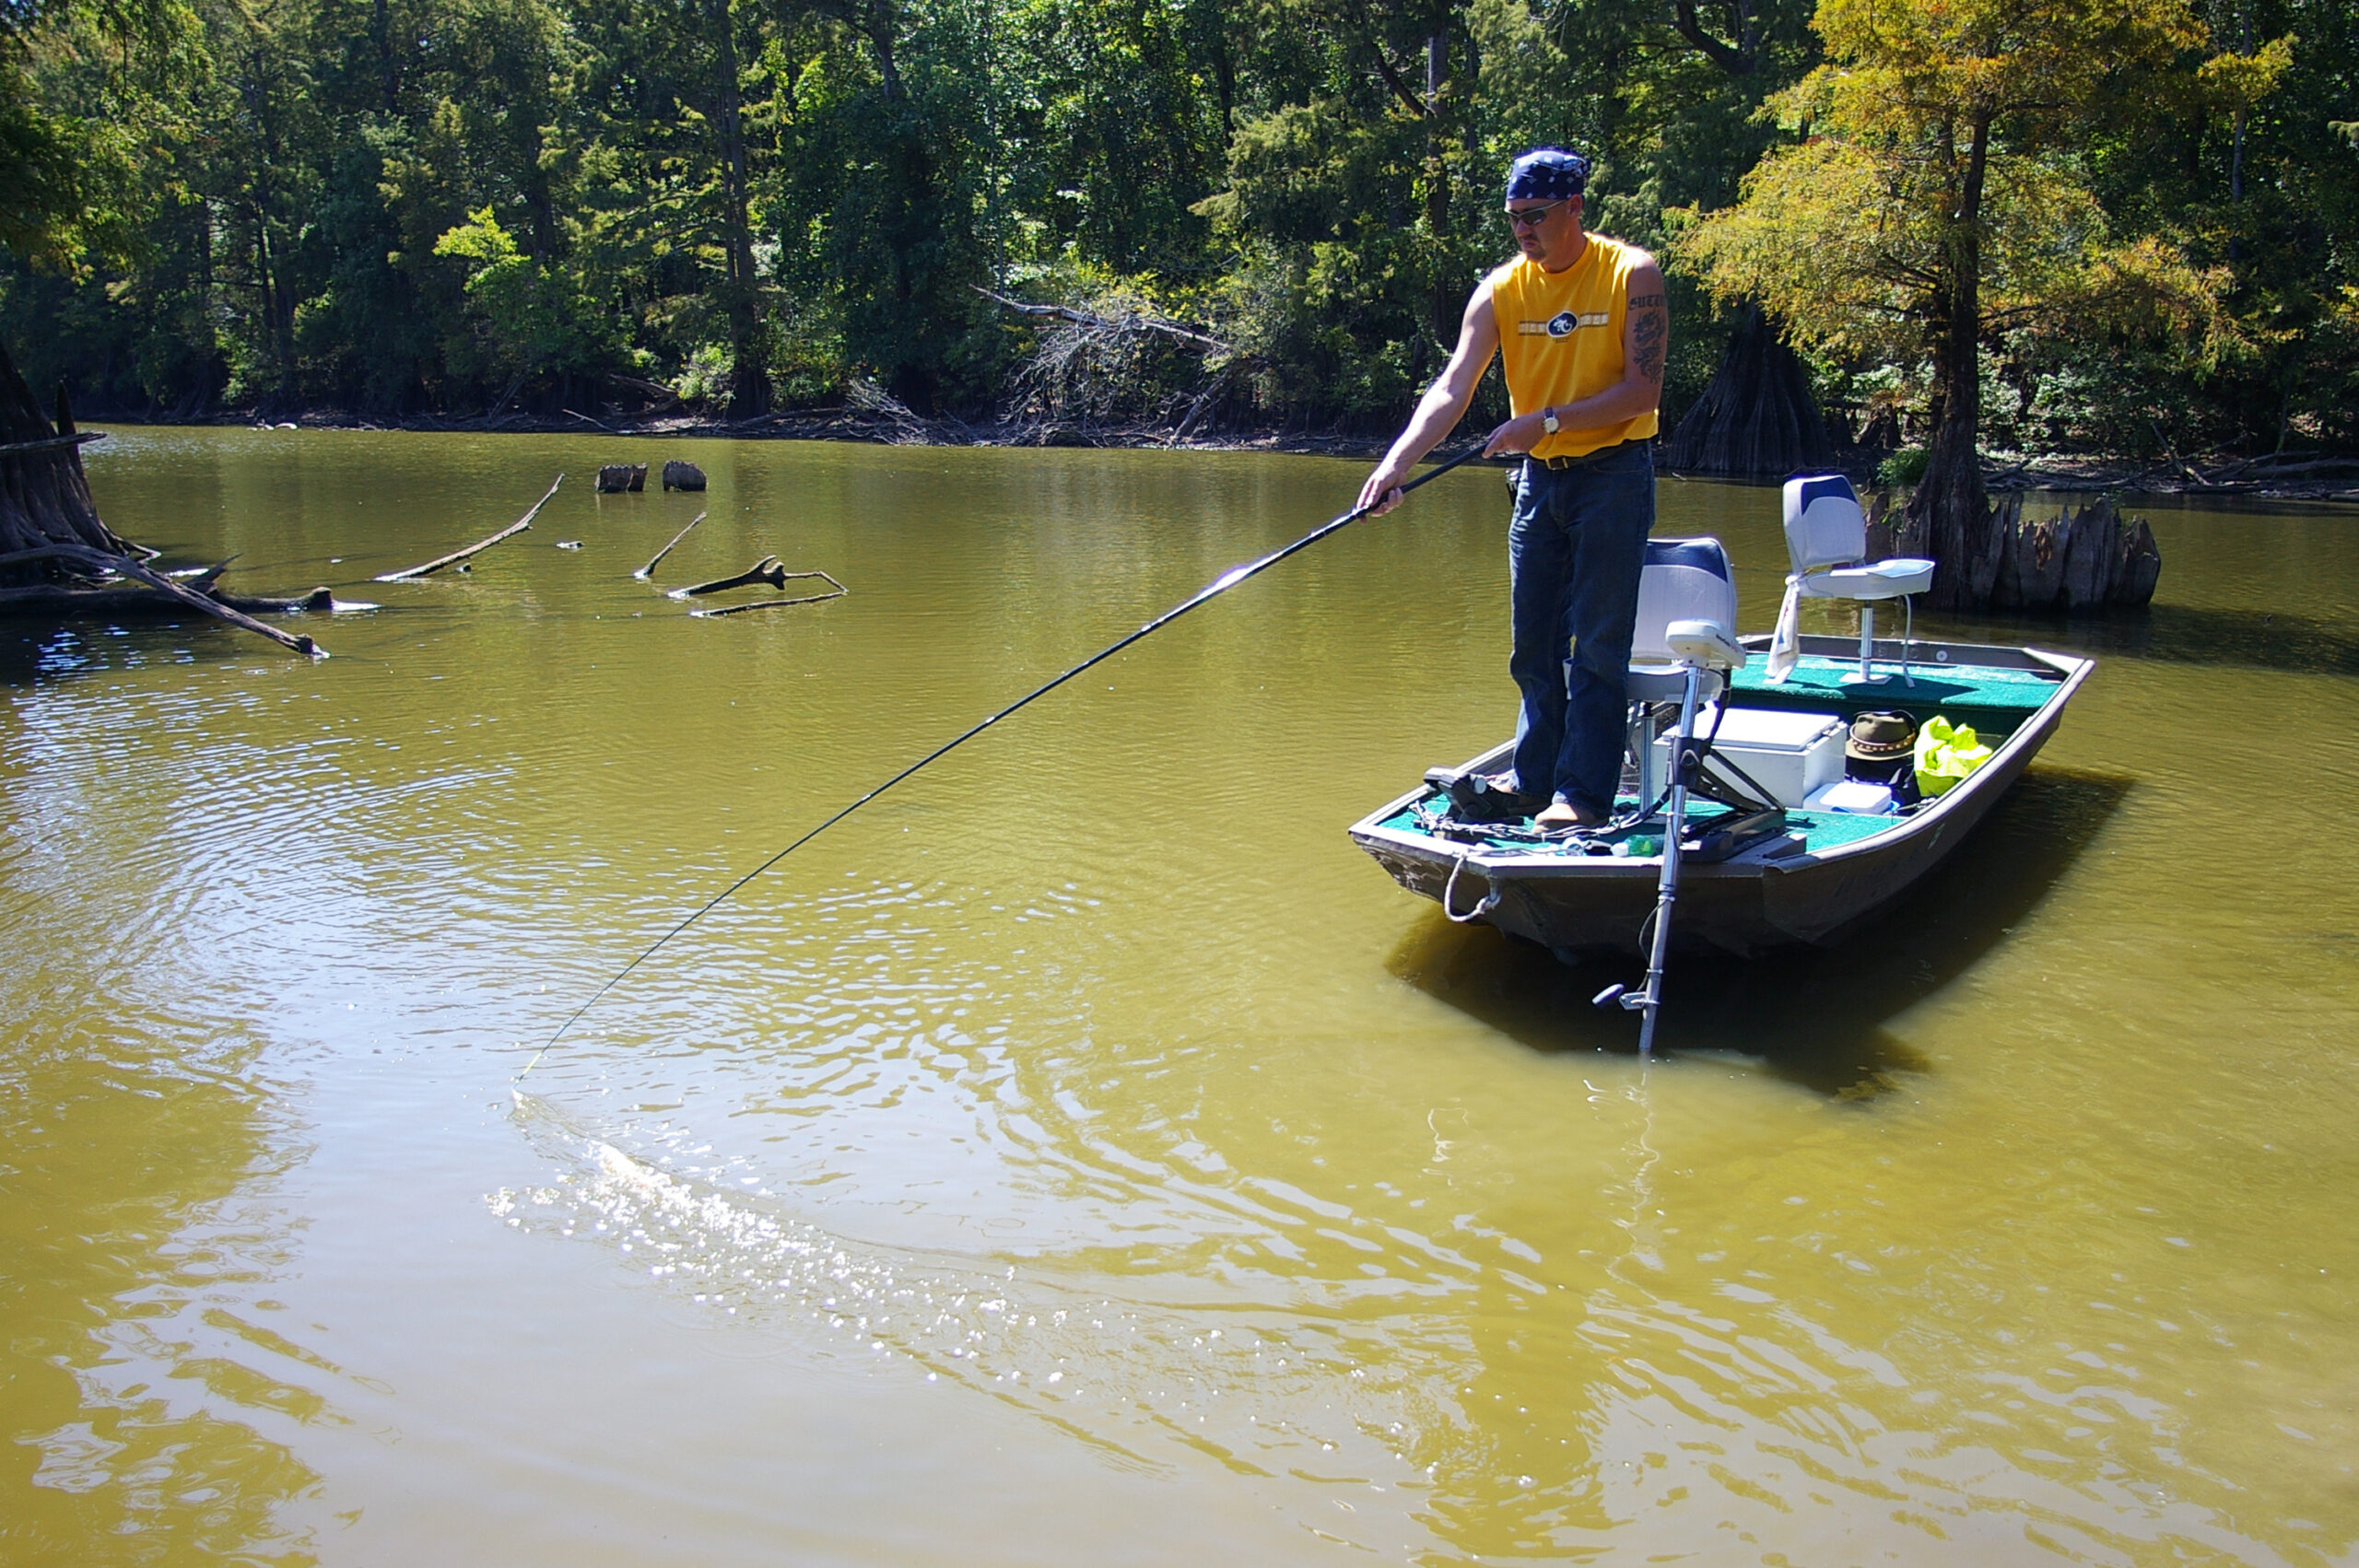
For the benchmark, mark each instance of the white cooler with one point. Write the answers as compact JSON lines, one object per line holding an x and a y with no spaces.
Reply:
{"x":1790,"y":754}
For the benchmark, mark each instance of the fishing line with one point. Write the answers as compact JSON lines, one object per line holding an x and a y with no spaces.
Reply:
{"x":1219,"y":585}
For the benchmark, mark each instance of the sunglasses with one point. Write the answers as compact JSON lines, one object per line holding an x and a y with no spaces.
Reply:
{"x":1532,"y":217}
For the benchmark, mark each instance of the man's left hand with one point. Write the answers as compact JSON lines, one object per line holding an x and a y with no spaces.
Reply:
{"x":1520,"y":434}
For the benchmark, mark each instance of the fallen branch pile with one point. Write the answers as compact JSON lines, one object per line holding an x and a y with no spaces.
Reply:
{"x":1093,"y":373}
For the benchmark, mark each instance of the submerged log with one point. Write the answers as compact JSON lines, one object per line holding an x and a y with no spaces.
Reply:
{"x":648,"y":571}
{"x":477,"y":548}
{"x":60,"y":599}
{"x":838,"y":592}
{"x":616,"y":477}
{"x":767,"y":570}
{"x":2089,"y":558}
{"x":678,"y":476}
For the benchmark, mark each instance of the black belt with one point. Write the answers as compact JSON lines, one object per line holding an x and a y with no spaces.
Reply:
{"x":1600,"y":455}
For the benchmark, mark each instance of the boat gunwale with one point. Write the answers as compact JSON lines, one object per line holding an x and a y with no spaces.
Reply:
{"x":2028,"y":736}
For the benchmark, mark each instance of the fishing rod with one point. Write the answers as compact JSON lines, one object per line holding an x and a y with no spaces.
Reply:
{"x":1219,"y":586}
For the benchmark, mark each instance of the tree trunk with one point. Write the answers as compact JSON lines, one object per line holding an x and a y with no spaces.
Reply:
{"x":749,"y":384}
{"x":44,"y":499}
{"x":381,"y":32}
{"x":1757,"y":417}
{"x":881,"y":25}
{"x":1950,"y":502}
{"x":1447,"y":302}
{"x":2087,"y":560}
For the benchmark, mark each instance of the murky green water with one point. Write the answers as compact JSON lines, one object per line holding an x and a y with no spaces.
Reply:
{"x":1084,"y":1156}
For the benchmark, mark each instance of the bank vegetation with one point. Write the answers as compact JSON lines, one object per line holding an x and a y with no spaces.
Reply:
{"x":2127,"y":228}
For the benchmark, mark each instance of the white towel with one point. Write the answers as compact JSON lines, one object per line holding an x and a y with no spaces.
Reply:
{"x":1785,"y":643}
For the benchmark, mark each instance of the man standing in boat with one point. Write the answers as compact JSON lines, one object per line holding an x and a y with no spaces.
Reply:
{"x":1581,"y":326}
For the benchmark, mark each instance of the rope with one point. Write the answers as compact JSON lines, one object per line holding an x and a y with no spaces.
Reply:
{"x":1450,"y":889}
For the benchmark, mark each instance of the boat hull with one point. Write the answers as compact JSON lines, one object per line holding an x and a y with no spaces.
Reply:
{"x":1771,"y":897}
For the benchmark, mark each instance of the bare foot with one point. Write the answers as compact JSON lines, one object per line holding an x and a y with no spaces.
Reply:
{"x":1564,"y":813}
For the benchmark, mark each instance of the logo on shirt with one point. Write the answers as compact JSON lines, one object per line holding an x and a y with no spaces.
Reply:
{"x":1563,"y":324}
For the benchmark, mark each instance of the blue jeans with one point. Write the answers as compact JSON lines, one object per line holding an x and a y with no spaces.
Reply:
{"x":1574,"y":554}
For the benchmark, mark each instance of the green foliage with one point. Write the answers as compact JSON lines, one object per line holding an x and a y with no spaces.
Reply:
{"x":1903,"y":468}
{"x":528,"y":317}
{"x":89,"y":93}
{"x":396,"y":205}
{"x":1941,"y":207}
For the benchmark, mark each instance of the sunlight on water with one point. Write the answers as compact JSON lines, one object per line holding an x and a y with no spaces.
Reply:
{"x":1084,"y":1154}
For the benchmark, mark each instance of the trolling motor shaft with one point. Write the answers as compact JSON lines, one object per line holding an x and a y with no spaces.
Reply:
{"x":1703,"y":649}
{"x":1648,"y":1001}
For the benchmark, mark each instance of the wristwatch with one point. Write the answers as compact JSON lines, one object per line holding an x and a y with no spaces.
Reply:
{"x":1548,"y":420}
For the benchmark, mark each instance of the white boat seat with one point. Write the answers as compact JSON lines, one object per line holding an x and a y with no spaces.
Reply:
{"x":1827,"y":535}
{"x":1894,"y":579}
{"x":1683,"y":580}
{"x":1687,"y":625}
{"x":1705,"y":643}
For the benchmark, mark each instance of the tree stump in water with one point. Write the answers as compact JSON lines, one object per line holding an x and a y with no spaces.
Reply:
{"x":2087,"y":560}
{"x":616,"y":477}
{"x":54,"y":549}
{"x":678,"y":476}
{"x":44,"y":498}
{"x":1757,"y":416}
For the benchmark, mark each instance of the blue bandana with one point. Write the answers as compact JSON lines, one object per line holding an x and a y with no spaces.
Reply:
{"x":1547,"y":174}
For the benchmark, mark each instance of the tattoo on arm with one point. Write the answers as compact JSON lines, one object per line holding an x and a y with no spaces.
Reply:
{"x":1640,"y":301}
{"x":1650,"y":330}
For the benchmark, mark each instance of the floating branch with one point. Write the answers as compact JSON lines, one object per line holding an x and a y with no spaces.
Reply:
{"x":648,"y":571}
{"x":51,"y":443}
{"x":767,"y":570}
{"x":123,"y":566}
{"x":519,"y":526}
{"x":778,"y":604}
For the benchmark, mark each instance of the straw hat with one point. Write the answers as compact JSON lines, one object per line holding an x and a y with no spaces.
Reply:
{"x":1880,"y":737}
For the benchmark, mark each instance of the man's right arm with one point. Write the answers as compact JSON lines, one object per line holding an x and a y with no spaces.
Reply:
{"x":1443,"y":406}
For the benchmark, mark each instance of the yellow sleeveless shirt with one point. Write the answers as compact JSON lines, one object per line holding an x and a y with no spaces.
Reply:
{"x":1560,"y":339}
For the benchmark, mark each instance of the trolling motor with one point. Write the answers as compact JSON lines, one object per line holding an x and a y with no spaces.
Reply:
{"x":1693,"y":654}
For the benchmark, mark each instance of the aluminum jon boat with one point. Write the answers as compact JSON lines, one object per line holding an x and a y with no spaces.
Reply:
{"x":1810,"y":878}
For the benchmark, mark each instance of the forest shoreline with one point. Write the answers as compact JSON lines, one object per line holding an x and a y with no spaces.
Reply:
{"x":2304,"y":475}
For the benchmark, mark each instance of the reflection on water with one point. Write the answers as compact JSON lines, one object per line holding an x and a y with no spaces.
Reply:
{"x":1084,"y":1153}
{"x":150,"y":1386}
{"x":1816,"y":1017}
{"x":2256,"y":639}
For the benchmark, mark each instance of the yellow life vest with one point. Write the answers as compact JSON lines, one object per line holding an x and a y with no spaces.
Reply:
{"x":1560,"y":339}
